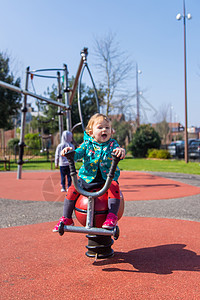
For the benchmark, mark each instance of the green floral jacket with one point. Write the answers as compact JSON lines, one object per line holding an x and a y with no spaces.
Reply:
{"x":95,"y":154}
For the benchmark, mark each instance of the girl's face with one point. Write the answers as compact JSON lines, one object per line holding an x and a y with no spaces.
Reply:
{"x":101,"y":131}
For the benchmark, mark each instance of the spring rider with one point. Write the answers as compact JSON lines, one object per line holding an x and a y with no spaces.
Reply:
{"x":91,"y":209}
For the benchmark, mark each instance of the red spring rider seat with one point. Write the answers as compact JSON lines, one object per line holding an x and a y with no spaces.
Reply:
{"x":100,"y":209}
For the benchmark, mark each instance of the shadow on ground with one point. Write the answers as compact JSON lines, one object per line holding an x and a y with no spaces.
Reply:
{"x":161,"y":260}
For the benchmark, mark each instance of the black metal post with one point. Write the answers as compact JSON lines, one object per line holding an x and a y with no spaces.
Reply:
{"x":22,"y":132}
{"x":60,"y":112}
{"x":67,"y":102}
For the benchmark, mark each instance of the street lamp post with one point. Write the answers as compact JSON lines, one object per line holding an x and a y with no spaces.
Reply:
{"x":171,"y":121}
{"x":137,"y":97}
{"x":179,"y":17}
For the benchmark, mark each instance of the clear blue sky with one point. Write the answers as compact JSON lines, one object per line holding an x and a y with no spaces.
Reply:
{"x":48,"y":33}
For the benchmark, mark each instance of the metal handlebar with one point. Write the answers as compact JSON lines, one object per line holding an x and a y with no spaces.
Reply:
{"x":89,"y":229}
{"x":73,"y":173}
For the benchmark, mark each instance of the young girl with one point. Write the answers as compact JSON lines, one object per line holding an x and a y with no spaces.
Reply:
{"x":61,"y":161}
{"x":96,"y":153}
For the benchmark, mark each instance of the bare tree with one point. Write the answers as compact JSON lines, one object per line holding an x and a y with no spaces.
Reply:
{"x":162,"y":126}
{"x":114,"y":68}
{"x":164,"y":112}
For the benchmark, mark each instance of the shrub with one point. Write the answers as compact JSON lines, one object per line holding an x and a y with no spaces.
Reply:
{"x":152,"y":153}
{"x":145,"y":138}
{"x":158,"y":153}
{"x":32,"y":140}
{"x":12,"y":143}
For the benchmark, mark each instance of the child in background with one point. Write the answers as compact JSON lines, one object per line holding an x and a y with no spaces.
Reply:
{"x":96,"y":153}
{"x":61,"y":161}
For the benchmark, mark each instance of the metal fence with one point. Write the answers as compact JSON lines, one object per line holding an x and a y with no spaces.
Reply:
{"x":30,"y":154}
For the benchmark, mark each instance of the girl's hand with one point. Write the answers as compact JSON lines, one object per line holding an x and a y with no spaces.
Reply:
{"x":65,"y":150}
{"x":120,"y":152}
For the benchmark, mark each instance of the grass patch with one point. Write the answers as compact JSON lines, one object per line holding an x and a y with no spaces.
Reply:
{"x":175,"y":166}
{"x":128,"y":164}
{"x":34,"y":166}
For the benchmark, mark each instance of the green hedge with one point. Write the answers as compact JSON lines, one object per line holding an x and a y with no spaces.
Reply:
{"x":158,"y":153}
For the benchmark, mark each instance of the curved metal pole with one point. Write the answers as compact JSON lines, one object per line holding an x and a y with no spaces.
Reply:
{"x":44,"y":70}
{"x":84,"y":54}
{"x":95,"y":91}
{"x":79,"y":93}
{"x":99,"y":193}
{"x":43,"y":76}
{"x":76,"y":125}
{"x":79,"y":99}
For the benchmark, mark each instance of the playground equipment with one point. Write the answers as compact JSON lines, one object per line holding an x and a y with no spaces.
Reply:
{"x":99,"y":239}
{"x":85,"y":67}
{"x":63,"y":108}
{"x":42,"y":73}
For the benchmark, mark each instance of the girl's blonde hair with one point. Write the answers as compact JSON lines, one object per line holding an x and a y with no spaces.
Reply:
{"x":93,"y":119}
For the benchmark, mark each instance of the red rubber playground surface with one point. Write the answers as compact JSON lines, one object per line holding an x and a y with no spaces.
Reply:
{"x":45,"y":186}
{"x":154,"y":258}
